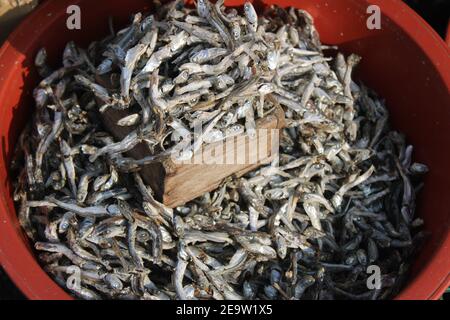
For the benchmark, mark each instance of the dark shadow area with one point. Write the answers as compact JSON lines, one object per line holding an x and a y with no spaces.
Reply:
{"x":8,"y":290}
{"x":435,"y":12}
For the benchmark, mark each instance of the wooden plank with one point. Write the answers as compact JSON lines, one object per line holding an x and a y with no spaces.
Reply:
{"x":175,"y":182}
{"x":188,"y":180}
{"x":152,"y":173}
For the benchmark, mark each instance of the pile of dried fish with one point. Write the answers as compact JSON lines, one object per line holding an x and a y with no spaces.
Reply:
{"x":340,"y":197}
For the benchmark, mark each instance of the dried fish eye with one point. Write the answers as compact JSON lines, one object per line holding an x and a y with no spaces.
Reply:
{"x":418,"y":168}
{"x":113,"y":210}
{"x":71,"y":283}
{"x":114,"y":282}
{"x":184,"y":210}
{"x":193,"y":102}
{"x":142,"y":236}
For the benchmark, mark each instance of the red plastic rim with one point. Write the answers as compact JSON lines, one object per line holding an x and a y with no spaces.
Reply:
{"x":18,"y":260}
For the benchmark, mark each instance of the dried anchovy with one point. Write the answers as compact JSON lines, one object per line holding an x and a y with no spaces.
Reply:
{"x":340,"y":198}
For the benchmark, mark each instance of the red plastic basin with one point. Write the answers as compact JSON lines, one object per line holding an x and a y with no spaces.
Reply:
{"x":406,"y":62}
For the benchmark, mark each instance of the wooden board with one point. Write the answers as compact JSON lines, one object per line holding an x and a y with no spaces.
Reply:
{"x":205,"y":171}
{"x":177,"y":182}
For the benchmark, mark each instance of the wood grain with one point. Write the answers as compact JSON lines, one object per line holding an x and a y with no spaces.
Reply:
{"x":177,"y":182}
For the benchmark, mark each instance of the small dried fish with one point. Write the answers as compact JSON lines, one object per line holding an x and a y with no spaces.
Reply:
{"x":340,"y":197}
